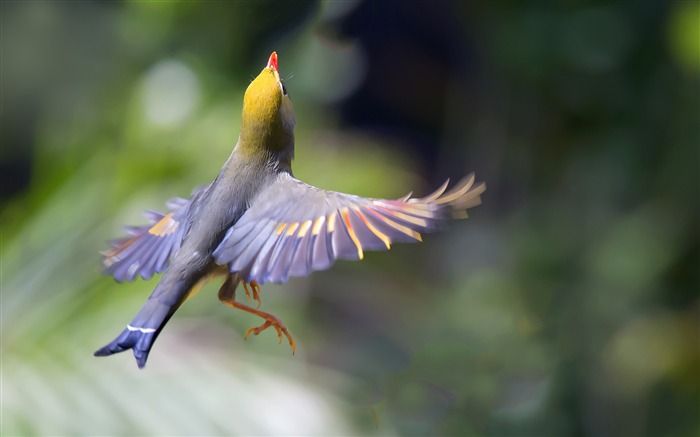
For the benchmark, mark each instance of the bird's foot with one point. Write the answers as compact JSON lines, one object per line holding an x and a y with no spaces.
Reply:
{"x":227,"y":297}
{"x":255,"y":287}
{"x":276,"y":323}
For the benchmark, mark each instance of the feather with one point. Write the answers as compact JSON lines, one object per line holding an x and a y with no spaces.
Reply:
{"x":293,"y":228}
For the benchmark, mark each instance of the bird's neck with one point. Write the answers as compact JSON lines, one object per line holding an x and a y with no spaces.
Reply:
{"x":271,"y":140}
{"x":268,"y":136}
{"x":263,"y":148}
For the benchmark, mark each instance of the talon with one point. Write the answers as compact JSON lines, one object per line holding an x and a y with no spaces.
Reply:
{"x":255,"y":289}
{"x":279,"y":333}
{"x":247,"y":292}
{"x":270,"y":320}
{"x":276,"y":323}
{"x":258,"y":330}
{"x":256,"y":293}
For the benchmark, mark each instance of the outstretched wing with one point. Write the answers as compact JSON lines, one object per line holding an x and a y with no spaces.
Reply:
{"x":293,"y":228}
{"x":148,"y":249}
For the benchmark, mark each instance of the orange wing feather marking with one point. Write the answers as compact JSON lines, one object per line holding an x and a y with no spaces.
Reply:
{"x":417,"y":209}
{"x":165,"y":226}
{"x":317,"y":225}
{"x":304,"y":228}
{"x":280,"y":228}
{"x":411,"y":219}
{"x":385,"y":238}
{"x":351,"y":232}
{"x":292,"y":227}
{"x":331,"y":223}
{"x":398,"y":227}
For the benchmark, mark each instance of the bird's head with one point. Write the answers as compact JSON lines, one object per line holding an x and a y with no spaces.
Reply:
{"x":268,"y":116}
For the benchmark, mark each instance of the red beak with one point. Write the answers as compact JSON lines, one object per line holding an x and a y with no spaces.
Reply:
{"x":272,"y":62}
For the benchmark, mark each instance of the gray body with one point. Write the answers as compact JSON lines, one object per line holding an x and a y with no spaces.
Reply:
{"x":208,"y":215}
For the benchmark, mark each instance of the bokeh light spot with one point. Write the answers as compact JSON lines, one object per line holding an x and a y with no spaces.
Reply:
{"x":170,"y":93}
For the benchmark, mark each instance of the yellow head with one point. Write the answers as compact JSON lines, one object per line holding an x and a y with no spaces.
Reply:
{"x":268,"y":120}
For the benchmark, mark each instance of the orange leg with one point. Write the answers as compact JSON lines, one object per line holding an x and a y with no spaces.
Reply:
{"x":270,"y":320}
{"x":227,"y":295}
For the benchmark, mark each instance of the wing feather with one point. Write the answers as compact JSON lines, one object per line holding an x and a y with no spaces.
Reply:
{"x":322,"y":257}
{"x":300,"y":264}
{"x":367,"y":239}
{"x":293,"y":229}
{"x":148,"y":249}
{"x":284,"y":243}
{"x":263,"y":235}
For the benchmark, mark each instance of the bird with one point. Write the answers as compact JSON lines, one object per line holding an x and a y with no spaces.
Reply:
{"x":256,"y":223}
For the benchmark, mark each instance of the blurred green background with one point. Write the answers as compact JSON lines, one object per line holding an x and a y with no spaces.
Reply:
{"x":566,"y":305}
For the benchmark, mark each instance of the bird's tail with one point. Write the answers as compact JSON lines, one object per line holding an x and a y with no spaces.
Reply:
{"x":143,"y":330}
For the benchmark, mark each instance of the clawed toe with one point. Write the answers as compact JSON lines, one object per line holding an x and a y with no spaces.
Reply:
{"x":276,"y":323}
{"x":228,"y":298}
{"x":255,"y":288}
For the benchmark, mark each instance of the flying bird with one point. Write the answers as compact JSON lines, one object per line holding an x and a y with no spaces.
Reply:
{"x":257,"y":223}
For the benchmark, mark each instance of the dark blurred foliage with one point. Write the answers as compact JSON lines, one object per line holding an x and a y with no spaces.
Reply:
{"x":566,"y":305}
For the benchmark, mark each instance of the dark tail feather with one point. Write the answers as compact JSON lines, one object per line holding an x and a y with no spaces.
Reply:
{"x":140,"y":334}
